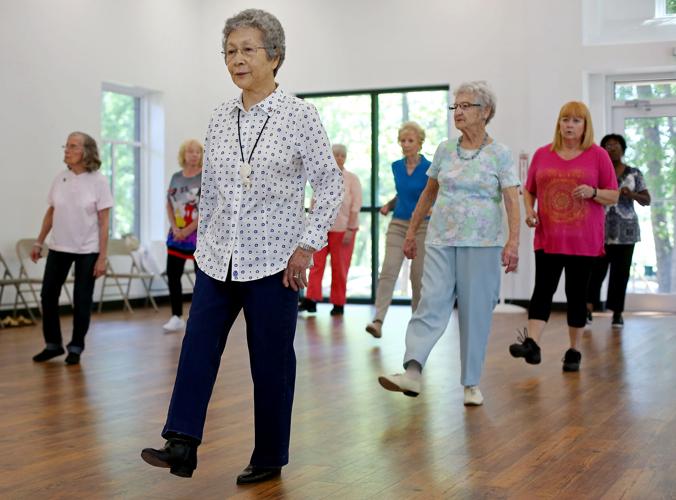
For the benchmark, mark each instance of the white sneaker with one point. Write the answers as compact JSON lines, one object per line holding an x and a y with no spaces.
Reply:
{"x":400,"y":383}
{"x":473,"y":396}
{"x":375,"y":328}
{"x":175,"y":323}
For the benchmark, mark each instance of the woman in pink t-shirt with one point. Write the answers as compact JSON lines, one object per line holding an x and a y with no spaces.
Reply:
{"x":77,"y":218}
{"x":341,"y":239}
{"x":572,"y":179}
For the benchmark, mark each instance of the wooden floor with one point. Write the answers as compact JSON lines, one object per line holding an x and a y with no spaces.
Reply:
{"x":607,"y":432}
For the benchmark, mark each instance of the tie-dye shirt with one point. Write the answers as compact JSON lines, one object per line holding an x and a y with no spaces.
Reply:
{"x":468,"y":210}
{"x":568,"y":225}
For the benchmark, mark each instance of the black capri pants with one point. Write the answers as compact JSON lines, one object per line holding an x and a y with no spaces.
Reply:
{"x":548,"y":268}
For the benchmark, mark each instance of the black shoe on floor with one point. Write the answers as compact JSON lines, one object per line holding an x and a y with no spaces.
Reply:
{"x":48,"y":354}
{"x":526,"y":348}
{"x":307,"y":305}
{"x":571,"y":360}
{"x":618,"y":322}
{"x":73,"y":358}
{"x":590,"y":317}
{"x":337,"y":311}
{"x":253,"y":474}
{"x":177,"y":455}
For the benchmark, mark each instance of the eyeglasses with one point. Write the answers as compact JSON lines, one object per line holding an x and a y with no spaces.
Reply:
{"x":70,"y":147}
{"x":464,"y":106}
{"x":247,"y":52}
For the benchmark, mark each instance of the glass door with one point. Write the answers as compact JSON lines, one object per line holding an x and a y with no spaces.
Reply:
{"x":645,"y":113}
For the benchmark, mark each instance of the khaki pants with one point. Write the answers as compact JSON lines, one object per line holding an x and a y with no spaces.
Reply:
{"x":394,"y":257}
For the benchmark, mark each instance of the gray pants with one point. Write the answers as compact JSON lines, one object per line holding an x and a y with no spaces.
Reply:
{"x":394,"y":257}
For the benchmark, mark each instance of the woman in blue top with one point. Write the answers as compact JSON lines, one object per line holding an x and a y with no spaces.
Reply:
{"x":410,"y":178}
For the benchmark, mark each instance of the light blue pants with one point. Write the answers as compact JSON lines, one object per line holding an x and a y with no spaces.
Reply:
{"x":470,"y":274}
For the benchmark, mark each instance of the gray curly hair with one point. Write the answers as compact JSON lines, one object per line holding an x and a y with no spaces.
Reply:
{"x":267,"y":24}
{"x":483,"y":93}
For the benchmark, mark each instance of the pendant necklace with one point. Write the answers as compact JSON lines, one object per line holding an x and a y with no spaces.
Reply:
{"x":245,"y":168}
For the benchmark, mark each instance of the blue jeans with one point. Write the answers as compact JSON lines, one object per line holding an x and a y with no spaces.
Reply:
{"x":470,"y":274}
{"x":271,"y":313}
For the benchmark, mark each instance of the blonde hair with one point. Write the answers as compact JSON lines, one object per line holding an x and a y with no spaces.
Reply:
{"x":575,"y":109}
{"x":90,"y":151}
{"x":184,"y":146}
{"x":412,"y":127}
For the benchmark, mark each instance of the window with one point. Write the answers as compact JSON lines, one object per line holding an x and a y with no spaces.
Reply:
{"x":645,"y":90}
{"x":121,"y":150}
{"x":367,"y":123}
{"x":665,"y":8}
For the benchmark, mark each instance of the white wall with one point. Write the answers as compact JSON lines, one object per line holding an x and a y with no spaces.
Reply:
{"x":54,"y":56}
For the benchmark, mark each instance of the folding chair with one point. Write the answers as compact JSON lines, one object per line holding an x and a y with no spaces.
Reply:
{"x":9,"y":280}
{"x":118,"y":248}
{"x":28,"y":272}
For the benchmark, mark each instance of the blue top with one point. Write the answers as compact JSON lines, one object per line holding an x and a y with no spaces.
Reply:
{"x":409,"y":187}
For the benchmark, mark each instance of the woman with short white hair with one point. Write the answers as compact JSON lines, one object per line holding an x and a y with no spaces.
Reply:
{"x":465,"y":243}
{"x":341,"y":239}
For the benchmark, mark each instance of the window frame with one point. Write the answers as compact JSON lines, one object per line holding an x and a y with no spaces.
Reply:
{"x":661,"y":10}
{"x":140,"y":142}
{"x":374,"y":208}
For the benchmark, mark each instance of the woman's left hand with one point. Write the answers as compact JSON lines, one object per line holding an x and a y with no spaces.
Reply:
{"x":583,"y":192}
{"x":510,"y":257}
{"x":295,"y":274}
{"x":100,"y":267}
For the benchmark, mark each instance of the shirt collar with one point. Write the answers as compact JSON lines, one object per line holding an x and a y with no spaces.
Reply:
{"x":269,"y":104}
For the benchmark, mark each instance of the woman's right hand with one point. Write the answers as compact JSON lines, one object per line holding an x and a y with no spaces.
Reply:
{"x":410,"y":248}
{"x":532,"y":220}
{"x":177,"y":233}
{"x":385,"y":209}
{"x":36,"y":252}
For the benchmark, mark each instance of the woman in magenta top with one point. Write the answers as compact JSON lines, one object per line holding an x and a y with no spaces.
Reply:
{"x":572,"y":180}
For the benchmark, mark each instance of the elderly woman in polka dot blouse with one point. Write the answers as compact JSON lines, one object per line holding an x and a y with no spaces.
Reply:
{"x":254,"y":246}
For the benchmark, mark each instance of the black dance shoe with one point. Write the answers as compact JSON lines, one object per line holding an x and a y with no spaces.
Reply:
{"x":571,"y":360}
{"x":526,"y":348}
{"x":73,"y":358}
{"x":178,"y":455}
{"x":48,"y":354}
{"x":253,"y":474}
{"x":337,"y":311}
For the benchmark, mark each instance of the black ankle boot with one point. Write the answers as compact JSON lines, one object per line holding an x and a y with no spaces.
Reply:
{"x":178,"y":455}
{"x":253,"y":474}
{"x":337,"y":311}
{"x":307,"y":305}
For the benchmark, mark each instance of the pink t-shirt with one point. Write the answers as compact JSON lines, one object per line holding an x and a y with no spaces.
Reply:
{"x":77,"y":199}
{"x":566,"y":225}
{"x":351,"y":201}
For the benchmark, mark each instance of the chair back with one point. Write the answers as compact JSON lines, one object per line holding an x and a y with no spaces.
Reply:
{"x":6,"y":274}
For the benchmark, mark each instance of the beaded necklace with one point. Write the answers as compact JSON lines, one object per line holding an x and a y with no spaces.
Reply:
{"x":476,"y":153}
